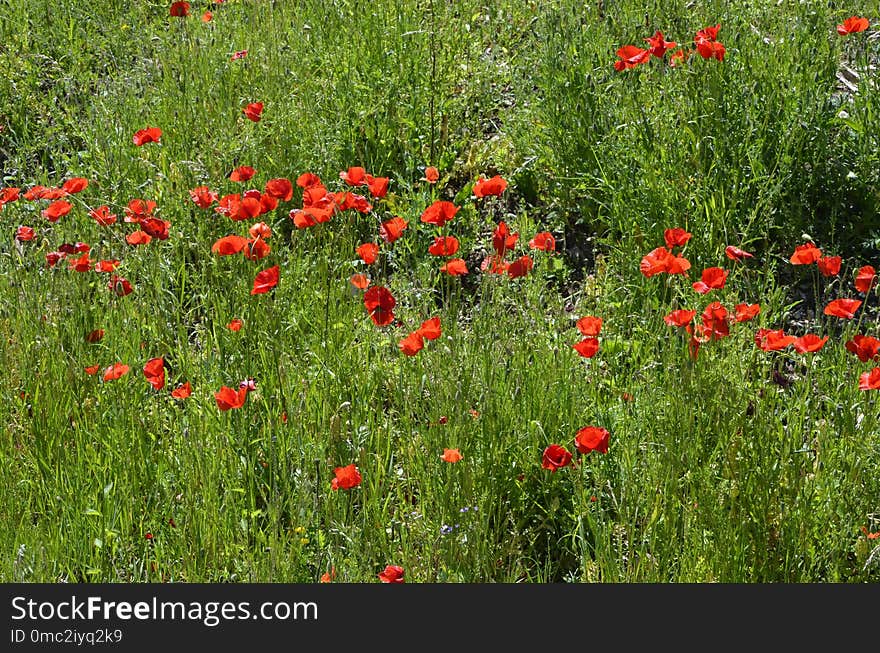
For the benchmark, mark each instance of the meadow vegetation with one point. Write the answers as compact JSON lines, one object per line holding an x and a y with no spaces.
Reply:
{"x":731,"y":453}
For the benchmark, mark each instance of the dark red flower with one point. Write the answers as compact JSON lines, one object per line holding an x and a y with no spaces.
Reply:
{"x":485,"y":187}
{"x":806,"y":254}
{"x":265,"y":280}
{"x":242,"y":173}
{"x":443,"y":246}
{"x":380,"y":303}
{"x":555,"y":457}
{"x":853,"y":25}
{"x":119,"y":285}
{"x":154,"y":371}
{"x":592,"y":438}
{"x":865,"y":347}
{"x":631,"y":56}
{"x":676,"y":237}
{"x":829,"y":265}
{"x":439,"y":213}
{"x":865,"y":278}
{"x":392,"y":229}
{"x":280,"y":188}
{"x":147,"y":135}
{"x":843,"y":308}
{"x":737,"y":254}
{"x":659,"y":45}
{"x":368,"y":252}
{"x":179,"y":9}
{"x":346,"y":478}
{"x":95,"y":336}
{"x":543,"y":241}
{"x":391,"y":574}
{"x":227,"y":398}
{"x":253,"y":111}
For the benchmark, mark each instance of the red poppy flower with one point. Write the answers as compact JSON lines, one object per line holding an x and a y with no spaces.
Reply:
{"x":378,"y":186}
{"x":260,"y":230}
{"x":588,"y":347}
{"x":707,"y":33}
{"x":592,"y":438}
{"x":870,"y":380}
{"x":280,"y":188}
{"x":24,"y":233}
{"x":75,"y":185}
{"x":715,"y":321}
{"x":431,"y":175}
{"x":354,"y":176}
{"x":455,"y":267}
{"x":229,"y":245}
{"x":154,"y":371}
{"x":443,"y":246}
{"x":368,"y":252}
{"x":95,"y":336}
{"x":430,"y":329}
{"x":347,"y":477}
{"x":392,"y":574}
{"x":265,"y":280}
{"x":139,"y":209}
{"x":253,"y":111}
{"x":102,"y":216}
{"x":502,"y":239}
{"x":865,"y":347}
{"x":52,"y":258}
{"x":120,"y":286}
{"x":392,"y":229}
{"x":348,"y":200}
{"x":737,"y":254}
{"x":485,"y":187}
{"x":138,"y":238}
{"x":147,"y":135}
{"x":8,"y":195}
{"x":676,"y":237}
{"x":865,"y":278}
{"x":770,"y":340}
{"x":155,"y":227}
{"x":412,"y":344}
{"x":439,"y":213}
{"x":107,"y":265}
{"x":380,"y":303}
{"x":494,"y":265}
{"x":359,"y":281}
{"x":81,"y":264}
{"x":182,"y":391}
{"x":328,"y":577}
{"x":91,"y":370}
{"x":843,"y":308}
{"x":711,"y":50}
{"x":679,"y":318}
{"x":589,"y":325}
{"x":179,"y":9}
{"x":308,"y":179}
{"x":711,"y":279}
{"x":115,"y":371}
{"x":43,"y":193}
{"x":809,"y":343}
{"x":655,"y":262}
{"x":227,"y":398}
{"x":853,"y":25}
{"x":451,"y":456}
{"x":659,"y":45}
{"x":520,"y":267}
{"x":630,"y":57}
{"x":247,"y":209}
{"x":543,"y":241}
{"x":56,"y":210}
{"x":555,"y":457}
{"x":235,"y":324}
{"x":256,"y":249}
{"x":806,"y":254}
{"x":242,"y":173}
{"x":746,"y":312}
{"x":74,"y":248}
{"x":829,"y":265}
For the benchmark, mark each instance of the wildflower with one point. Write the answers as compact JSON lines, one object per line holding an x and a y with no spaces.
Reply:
{"x":147,"y":135}
{"x":154,"y":371}
{"x":555,"y":457}
{"x":265,"y":281}
{"x":853,"y":25}
{"x":592,"y":438}
{"x":392,"y":574}
{"x":347,"y":477}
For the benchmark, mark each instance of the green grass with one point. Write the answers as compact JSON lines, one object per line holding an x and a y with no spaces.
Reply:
{"x":738,"y":465}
